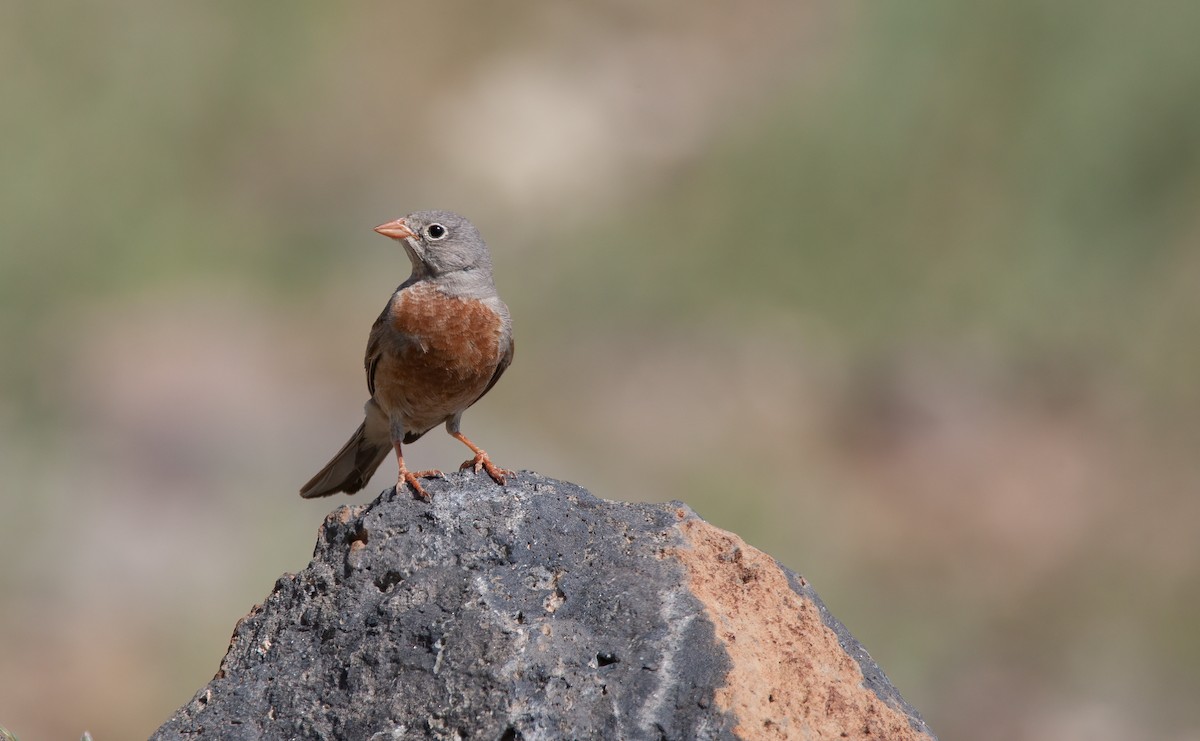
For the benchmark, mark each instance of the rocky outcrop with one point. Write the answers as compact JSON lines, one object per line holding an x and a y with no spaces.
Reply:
{"x":538,"y":611}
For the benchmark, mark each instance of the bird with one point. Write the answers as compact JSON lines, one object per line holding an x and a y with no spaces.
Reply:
{"x":442,"y":341}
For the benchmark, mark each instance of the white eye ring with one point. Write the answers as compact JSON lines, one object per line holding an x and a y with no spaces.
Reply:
{"x":436,"y":231}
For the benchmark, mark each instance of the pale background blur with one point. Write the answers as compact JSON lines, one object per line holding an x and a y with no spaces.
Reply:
{"x":907,"y":295}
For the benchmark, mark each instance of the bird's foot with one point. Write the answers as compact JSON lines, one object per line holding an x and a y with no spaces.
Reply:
{"x":413,"y":479}
{"x":482,"y":461}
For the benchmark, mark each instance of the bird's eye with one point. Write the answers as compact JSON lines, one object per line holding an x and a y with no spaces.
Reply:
{"x":435,"y":231}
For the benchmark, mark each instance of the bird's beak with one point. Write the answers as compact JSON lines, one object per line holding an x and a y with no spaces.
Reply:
{"x":396,"y":230}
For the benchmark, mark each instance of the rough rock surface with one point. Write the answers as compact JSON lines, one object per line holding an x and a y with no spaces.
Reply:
{"x":537,"y":611}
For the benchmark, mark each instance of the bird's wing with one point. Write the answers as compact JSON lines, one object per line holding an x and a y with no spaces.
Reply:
{"x":505,"y":361}
{"x":375,"y":346}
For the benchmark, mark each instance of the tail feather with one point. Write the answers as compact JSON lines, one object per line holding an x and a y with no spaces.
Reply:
{"x":351,"y":468}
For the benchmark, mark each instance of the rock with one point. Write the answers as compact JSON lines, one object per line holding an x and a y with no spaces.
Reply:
{"x":538,"y":611}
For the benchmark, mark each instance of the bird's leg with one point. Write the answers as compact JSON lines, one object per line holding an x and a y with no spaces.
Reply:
{"x":481,"y":460}
{"x":411,"y":478}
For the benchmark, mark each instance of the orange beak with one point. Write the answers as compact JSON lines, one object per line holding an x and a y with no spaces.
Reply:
{"x":396,"y":230}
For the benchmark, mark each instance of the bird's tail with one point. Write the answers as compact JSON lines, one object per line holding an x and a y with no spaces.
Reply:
{"x":351,"y":468}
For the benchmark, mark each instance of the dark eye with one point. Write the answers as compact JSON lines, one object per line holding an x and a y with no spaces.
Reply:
{"x":435,"y":231}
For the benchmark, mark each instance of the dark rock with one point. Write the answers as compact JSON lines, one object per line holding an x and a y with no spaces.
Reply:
{"x":537,"y":611}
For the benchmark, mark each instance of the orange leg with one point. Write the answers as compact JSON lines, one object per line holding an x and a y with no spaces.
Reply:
{"x":481,"y":460}
{"x":412,"y":478}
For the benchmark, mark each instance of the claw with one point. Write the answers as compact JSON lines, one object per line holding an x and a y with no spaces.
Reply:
{"x":481,"y":461}
{"x":413,"y":479}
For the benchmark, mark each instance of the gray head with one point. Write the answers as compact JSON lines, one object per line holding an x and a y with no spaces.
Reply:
{"x":446,"y":248}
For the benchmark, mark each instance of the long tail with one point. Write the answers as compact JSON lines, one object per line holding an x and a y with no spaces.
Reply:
{"x":351,"y":468}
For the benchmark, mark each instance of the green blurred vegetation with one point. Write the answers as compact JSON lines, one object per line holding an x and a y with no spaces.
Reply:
{"x":1026,"y":172}
{"x":931,"y":293}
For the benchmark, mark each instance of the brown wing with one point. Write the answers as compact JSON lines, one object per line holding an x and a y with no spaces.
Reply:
{"x":505,"y":361}
{"x":375,"y":346}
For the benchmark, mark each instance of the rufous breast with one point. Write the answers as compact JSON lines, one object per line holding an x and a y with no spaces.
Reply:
{"x":437,"y":356}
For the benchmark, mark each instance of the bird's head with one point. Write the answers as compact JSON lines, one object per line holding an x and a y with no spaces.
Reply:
{"x":443,"y":247}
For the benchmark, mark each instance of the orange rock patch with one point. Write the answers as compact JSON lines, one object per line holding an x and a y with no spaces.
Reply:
{"x":790,"y":678}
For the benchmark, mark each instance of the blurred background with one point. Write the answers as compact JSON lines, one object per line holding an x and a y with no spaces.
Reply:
{"x":907,"y":295}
